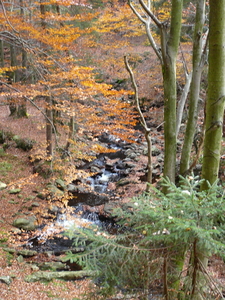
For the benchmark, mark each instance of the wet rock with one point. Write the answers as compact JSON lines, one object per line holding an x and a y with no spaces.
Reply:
{"x":25,"y":223}
{"x":95,"y":169}
{"x":2,"y":185}
{"x":91,"y":199}
{"x":71,"y":188}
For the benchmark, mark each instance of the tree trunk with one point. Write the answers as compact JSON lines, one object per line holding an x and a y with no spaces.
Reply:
{"x":195,"y":87}
{"x":12,"y":78}
{"x":49,"y":148}
{"x":214,"y":108}
{"x":2,"y":60}
{"x":216,"y":93}
{"x":169,"y":46}
{"x":22,"y":108}
{"x":167,"y":55}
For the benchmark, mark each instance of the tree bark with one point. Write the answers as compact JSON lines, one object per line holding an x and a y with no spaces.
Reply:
{"x":216,"y":93}
{"x":2,"y":60}
{"x":198,"y":63}
{"x":169,"y":46}
{"x":49,"y":140}
{"x":167,"y":55}
{"x":214,"y":111}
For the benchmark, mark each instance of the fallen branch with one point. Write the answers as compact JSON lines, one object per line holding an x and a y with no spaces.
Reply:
{"x":64,"y":275}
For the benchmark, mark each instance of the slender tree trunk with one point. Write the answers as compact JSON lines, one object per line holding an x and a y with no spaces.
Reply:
{"x":48,"y":99}
{"x":2,"y":60}
{"x":169,"y":46}
{"x":195,"y":87}
{"x":49,"y":141}
{"x":147,"y":130}
{"x":167,"y":56}
{"x":42,"y":11}
{"x":182,"y":102}
{"x":22,"y":108}
{"x":13,"y":78}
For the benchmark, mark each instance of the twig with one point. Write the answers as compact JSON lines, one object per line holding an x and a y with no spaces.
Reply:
{"x":36,"y":106}
{"x":143,"y":123}
{"x":213,"y":283}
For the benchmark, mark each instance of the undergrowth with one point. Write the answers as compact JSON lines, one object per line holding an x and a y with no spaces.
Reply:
{"x":159,"y":243}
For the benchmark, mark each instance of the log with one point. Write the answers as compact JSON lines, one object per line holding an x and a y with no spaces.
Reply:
{"x":64,"y":275}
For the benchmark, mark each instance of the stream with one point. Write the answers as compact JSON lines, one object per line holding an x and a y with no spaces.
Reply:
{"x":110,"y":171}
{"x":90,"y":192}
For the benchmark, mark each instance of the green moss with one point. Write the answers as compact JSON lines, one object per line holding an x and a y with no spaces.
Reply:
{"x":5,"y":167}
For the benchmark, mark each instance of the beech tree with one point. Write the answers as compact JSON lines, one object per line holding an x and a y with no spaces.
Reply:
{"x":60,"y":85}
{"x":216,"y":93}
{"x":167,"y":55}
{"x":199,"y":58}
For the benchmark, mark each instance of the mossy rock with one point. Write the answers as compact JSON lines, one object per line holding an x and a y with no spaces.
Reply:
{"x":24,"y":144}
{"x":14,"y":191}
{"x":43,"y":169}
{"x":53,"y":266}
{"x":25,"y":223}
{"x":54,"y":191}
{"x":60,"y":184}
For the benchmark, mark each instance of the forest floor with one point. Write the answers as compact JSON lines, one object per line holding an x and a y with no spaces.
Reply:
{"x":16,"y":171}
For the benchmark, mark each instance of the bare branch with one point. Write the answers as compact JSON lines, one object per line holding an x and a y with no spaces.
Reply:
{"x":150,"y":14}
{"x":36,"y":106}
{"x":5,"y":15}
{"x":147,"y":23}
{"x":143,"y":123}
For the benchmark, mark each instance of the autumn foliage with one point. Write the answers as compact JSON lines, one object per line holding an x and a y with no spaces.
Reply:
{"x":42,"y":63}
